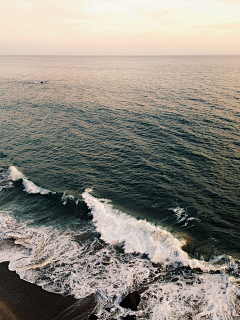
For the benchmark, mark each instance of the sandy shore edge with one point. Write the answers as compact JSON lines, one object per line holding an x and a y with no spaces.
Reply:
{"x":21,"y":300}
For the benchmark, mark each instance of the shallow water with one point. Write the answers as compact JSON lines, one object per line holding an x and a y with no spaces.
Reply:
{"x":157,"y":141}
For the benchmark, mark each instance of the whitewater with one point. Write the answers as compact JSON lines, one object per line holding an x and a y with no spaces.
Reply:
{"x":129,"y":255}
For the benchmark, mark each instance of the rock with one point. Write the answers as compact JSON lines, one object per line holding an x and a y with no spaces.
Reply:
{"x":92,"y":317}
{"x":131,"y":301}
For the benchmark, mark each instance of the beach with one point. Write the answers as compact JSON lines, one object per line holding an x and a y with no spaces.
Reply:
{"x":21,"y":300}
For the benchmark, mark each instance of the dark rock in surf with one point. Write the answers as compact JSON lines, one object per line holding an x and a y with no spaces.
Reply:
{"x":92,"y":317}
{"x":131,"y":301}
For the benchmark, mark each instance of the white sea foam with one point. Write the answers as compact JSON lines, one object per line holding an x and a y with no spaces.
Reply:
{"x":137,"y":236}
{"x":180,"y":213}
{"x":182,"y":216}
{"x":29,"y":186}
{"x":207,"y":296}
{"x":14,"y":174}
{"x":52,"y":259}
{"x":200,"y":296}
{"x":65,"y":197}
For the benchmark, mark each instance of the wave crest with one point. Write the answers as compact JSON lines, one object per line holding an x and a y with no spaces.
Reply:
{"x":137,"y":236}
{"x":29,"y":186}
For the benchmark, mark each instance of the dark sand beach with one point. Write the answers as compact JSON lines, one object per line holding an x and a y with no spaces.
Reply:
{"x":21,"y":300}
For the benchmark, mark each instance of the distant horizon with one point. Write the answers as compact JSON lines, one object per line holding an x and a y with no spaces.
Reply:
{"x":118,"y":55}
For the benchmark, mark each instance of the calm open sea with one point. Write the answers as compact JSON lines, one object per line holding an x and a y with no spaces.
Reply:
{"x":120,"y":174}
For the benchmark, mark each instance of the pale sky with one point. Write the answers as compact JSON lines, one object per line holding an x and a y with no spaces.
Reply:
{"x":119,"y":27}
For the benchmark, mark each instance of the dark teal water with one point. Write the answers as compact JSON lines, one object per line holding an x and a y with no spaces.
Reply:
{"x":159,"y":137}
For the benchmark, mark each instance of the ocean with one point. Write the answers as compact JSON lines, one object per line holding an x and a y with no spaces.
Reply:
{"x":121,"y":174}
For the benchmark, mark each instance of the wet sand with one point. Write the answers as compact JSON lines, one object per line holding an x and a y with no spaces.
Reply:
{"x":20,"y":300}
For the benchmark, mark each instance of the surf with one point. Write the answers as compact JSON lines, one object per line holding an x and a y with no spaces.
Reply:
{"x":113,"y":254}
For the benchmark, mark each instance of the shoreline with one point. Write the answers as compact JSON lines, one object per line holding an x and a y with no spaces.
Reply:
{"x":21,"y":300}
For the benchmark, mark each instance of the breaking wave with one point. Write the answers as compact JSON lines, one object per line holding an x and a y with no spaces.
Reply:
{"x":13,"y":175}
{"x":136,"y":235}
{"x":29,"y":186}
{"x":114,"y":254}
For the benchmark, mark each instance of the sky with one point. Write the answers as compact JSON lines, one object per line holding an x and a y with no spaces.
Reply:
{"x":119,"y":27}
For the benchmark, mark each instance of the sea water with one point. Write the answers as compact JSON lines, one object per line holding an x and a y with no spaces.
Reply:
{"x":120,"y":174}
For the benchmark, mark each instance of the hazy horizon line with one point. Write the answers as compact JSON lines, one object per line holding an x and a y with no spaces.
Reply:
{"x":118,"y":55}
